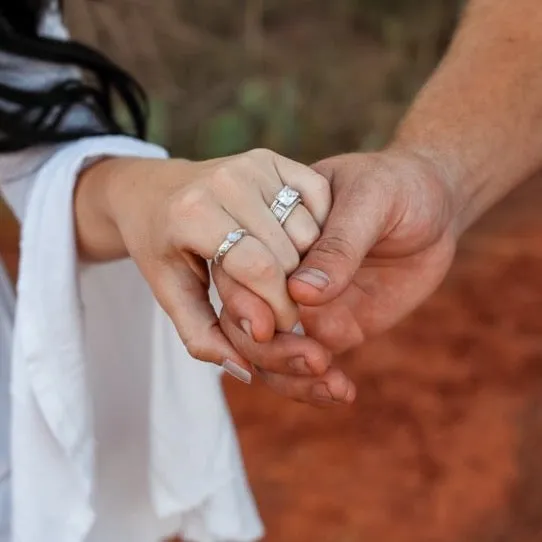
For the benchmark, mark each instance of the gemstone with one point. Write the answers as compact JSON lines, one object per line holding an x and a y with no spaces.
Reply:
{"x":287,"y":195}
{"x":234,"y":236}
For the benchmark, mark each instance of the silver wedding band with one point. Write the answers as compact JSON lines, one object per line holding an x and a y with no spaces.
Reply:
{"x":285,"y":202}
{"x":229,"y":242}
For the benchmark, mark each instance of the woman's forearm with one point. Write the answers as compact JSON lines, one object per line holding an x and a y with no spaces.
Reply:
{"x":479,"y":118}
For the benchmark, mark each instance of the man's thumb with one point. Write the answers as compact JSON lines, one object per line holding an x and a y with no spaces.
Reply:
{"x":350,"y":232}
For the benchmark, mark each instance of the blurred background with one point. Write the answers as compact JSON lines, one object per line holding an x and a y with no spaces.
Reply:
{"x":444,"y":443}
{"x":307,"y":78}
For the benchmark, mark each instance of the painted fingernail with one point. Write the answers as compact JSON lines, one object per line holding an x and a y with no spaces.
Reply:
{"x":299,"y":365}
{"x":236,"y":371}
{"x":247,"y":327}
{"x":298,"y":329}
{"x":312,"y":276}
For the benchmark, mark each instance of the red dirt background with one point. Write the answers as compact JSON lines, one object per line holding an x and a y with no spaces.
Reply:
{"x":444,"y":442}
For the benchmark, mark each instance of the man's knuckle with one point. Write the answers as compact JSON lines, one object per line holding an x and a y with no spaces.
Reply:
{"x":336,"y":246}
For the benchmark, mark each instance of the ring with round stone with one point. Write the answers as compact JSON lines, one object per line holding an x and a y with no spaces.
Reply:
{"x":229,"y":242}
{"x":285,"y":202}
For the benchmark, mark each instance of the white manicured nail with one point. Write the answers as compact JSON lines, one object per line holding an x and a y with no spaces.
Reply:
{"x":299,"y":329}
{"x":236,"y":371}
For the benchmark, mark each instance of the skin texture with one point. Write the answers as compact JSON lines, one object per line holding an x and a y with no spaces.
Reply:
{"x":170,"y":217}
{"x":472,"y":135}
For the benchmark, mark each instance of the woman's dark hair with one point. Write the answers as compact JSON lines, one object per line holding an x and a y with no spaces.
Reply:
{"x":30,"y":117}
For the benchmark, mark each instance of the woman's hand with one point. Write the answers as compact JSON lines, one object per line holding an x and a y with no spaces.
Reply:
{"x":171,"y":216}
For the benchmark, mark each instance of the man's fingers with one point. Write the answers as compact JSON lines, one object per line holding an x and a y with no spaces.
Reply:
{"x":352,"y":228}
{"x":335,"y":326}
{"x":332,"y":388}
{"x":287,"y":353}
{"x":184,"y":297}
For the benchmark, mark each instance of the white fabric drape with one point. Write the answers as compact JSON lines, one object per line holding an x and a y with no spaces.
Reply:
{"x":117,"y":434}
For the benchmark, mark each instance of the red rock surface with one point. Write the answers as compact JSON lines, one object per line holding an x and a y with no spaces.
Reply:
{"x":444,"y":442}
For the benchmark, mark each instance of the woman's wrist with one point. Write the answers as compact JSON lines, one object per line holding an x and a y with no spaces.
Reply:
{"x":98,"y":235}
{"x":113,"y":195}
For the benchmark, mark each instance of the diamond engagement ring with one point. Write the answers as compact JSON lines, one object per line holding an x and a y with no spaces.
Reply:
{"x":229,"y":242}
{"x":284,"y":203}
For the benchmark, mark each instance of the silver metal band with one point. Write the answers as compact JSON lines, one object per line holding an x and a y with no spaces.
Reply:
{"x":284,"y":203}
{"x":229,"y":242}
{"x":282,"y":213}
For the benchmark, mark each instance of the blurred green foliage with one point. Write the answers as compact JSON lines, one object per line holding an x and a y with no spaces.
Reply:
{"x":307,"y":78}
{"x":262,"y":112}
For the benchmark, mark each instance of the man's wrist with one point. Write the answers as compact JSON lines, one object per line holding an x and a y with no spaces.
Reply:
{"x":445,"y":173}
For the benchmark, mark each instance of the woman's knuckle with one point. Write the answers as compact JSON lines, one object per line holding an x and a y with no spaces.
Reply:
{"x":291,"y":261}
{"x":263,"y":268}
{"x":232,"y":181}
{"x":307,"y":239}
{"x":260,"y":154}
{"x":195,"y":346}
{"x":222,"y":176}
{"x":321,"y":185}
{"x":247,"y":160}
{"x":187,"y":203}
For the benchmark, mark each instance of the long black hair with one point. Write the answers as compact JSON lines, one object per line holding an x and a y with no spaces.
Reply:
{"x":30,"y":117}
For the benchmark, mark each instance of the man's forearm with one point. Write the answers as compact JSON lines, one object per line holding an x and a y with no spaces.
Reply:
{"x":479,"y":118}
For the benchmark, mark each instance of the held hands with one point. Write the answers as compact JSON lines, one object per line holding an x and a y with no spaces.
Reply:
{"x":171,"y":216}
{"x":386,"y":246}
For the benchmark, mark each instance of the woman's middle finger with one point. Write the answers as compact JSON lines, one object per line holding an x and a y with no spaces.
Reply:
{"x":262,"y":188}
{"x":286,"y":206}
{"x":203,"y":226}
{"x":254,"y":214}
{"x":299,"y":198}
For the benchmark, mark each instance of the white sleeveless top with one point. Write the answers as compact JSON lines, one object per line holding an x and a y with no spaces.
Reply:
{"x":117,"y":434}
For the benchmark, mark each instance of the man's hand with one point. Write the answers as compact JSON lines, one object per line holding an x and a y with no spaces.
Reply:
{"x":473,"y":133}
{"x":386,"y":246}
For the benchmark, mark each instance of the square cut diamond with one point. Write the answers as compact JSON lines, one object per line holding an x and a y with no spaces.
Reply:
{"x":287,"y":196}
